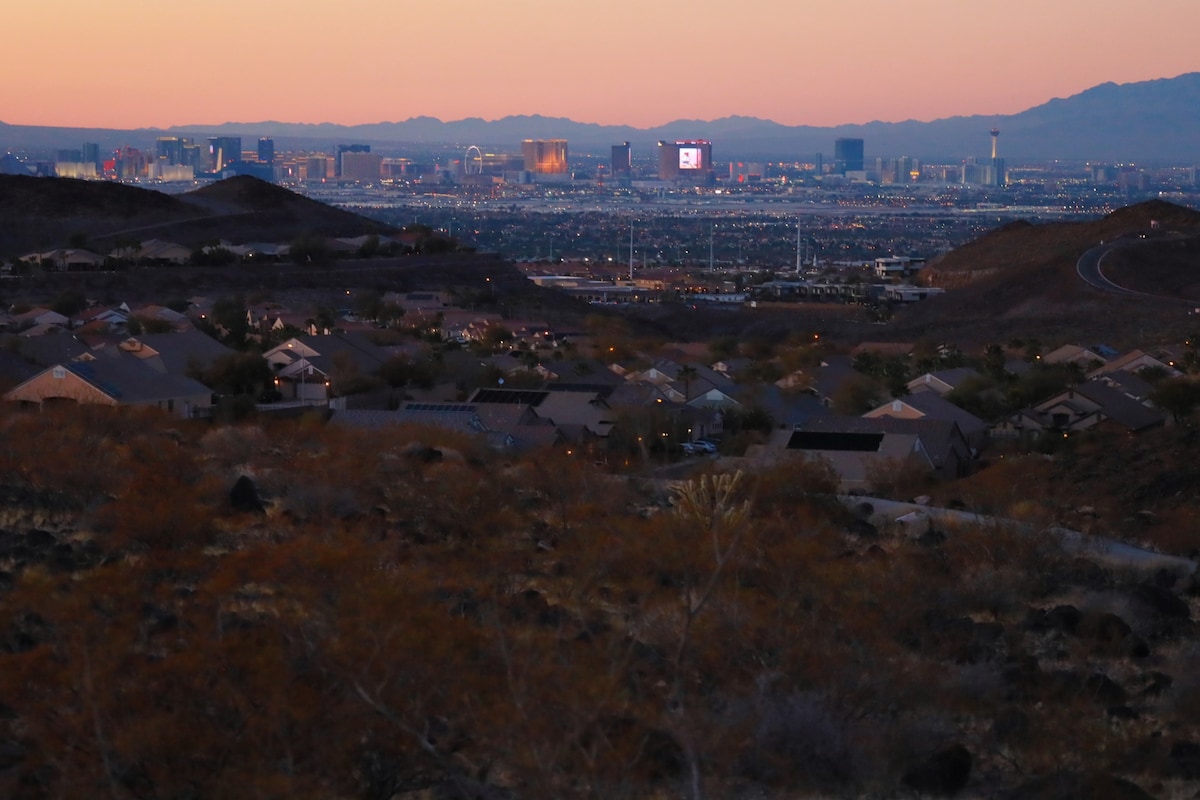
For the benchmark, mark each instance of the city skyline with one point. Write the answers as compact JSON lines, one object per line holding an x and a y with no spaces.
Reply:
{"x":820,"y":63}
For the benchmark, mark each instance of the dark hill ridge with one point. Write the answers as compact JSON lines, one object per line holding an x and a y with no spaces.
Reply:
{"x":1020,"y":281}
{"x":44,"y":213}
{"x":22,"y":195}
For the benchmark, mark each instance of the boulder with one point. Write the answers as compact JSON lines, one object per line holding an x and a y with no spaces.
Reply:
{"x":1064,"y":619}
{"x":243,"y":497}
{"x":862,"y":529}
{"x":1104,"y":689}
{"x":1070,"y":785}
{"x":1184,"y":761}
{"x":1111,"y":636}
{"x":1161,"y":602}
{"x":943,"y":774}
{"x":11,"y":754}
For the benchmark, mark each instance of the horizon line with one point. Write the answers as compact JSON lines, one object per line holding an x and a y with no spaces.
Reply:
{"x":535,"y":115}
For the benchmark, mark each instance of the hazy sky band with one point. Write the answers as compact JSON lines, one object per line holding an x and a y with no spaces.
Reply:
{"x":86,"y":63}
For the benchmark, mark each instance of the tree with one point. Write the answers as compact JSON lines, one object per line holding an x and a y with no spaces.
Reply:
{"x":994,"y":360}
{"x":237,"y":374}
{"x":1177,"y":396}
{"x":230,"y":314}
{"x":213,"y":256}
{"x":723,"y":347}
{"x":369,"y":247}
{"x":708,"y":510}
{"x":856,"y":395}
{"x":687,"y":374}
{"x":70,"y":302}
{"x":310,"y":249}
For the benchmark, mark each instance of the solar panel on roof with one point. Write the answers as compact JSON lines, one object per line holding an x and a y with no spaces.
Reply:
{"x":444,"y":408}
{"x":845,"y":442}
{"x":85,"y":370}
{"x":526,"y":397}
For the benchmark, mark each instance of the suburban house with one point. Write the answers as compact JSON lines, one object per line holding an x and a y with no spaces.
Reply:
{"x":1134,"y":361}
{"x":580,"y":415}
{"x":51,"y":349}
{"x":733,"y":367}
{"x":110,"y":317}
{"x":183,"y":353}
{"x":824,"y":380}
{"x":787,"y":408}
{"x":1086,"y":406}
{"x":930,"y":405}
{"x":1087,"y":358}
{"x":66,"y":259}
{"x":660,"y":373}
{"x":39,"y":316}
{"x":940,"y":443}
{"x":314,"y":368}
{"x":694,"y":385}
{"x":156,"y":251}
{"x":114,"y":378}
{"x":177,"y":321}
{"x":859,"y":449}
{"x":504,"y":427}
{"x":1127,"y":383}
{"x":943,"y":381}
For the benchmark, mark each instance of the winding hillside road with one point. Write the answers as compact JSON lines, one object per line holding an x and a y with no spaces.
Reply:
{"x":1099,"y":547}
{"x":1090,"y":268}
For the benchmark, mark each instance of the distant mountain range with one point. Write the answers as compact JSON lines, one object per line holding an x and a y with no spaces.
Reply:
{"x":1149,"y":121}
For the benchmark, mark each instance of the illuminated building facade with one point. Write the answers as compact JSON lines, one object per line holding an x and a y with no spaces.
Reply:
{"x":685,"y":159}
{"x":545,"y":156}
{"x":223,"y":151}
{"x":342,"y":150}
{"x":848,"y":155}
{"x":361,"y":167}
{"x":622,"y":160}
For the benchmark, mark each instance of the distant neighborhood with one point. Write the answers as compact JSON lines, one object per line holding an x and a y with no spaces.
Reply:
{"x":429,"y":358}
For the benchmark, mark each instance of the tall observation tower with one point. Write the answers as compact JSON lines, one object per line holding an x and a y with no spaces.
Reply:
{"x":997,"y":176}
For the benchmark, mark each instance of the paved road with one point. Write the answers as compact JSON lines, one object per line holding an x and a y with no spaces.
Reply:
{"x":1090,"y":268}
{"x":1099,"y":547}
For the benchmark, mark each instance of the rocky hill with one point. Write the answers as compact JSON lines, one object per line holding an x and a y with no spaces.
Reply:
{"x":44,"y":213}
{"x":1021,"y":280}
{"x":193,"y":610}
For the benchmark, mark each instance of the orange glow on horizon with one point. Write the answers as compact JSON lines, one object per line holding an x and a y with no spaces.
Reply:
{"x":81,"y":63}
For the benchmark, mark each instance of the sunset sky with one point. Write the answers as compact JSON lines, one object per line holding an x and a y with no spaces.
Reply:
{"x":86,"y":63}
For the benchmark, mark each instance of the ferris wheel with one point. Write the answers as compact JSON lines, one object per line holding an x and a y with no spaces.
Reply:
{"x":473,"y":161}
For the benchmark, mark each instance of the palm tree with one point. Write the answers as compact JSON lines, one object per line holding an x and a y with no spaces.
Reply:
{"x":687,"y":374}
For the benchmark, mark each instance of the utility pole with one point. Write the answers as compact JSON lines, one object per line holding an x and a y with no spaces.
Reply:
{"x":631,"y":252}
{"x":798,"y":265}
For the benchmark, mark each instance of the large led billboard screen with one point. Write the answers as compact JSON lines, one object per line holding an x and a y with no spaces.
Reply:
{"x":691,"y":158}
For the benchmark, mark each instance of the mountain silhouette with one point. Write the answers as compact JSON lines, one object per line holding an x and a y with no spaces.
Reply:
{"x":1152,"y":120}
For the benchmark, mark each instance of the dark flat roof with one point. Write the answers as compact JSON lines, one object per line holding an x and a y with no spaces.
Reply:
{"x":845,"y":442}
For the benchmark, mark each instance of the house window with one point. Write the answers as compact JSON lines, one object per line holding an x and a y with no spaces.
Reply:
{"x":59,"y":372}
